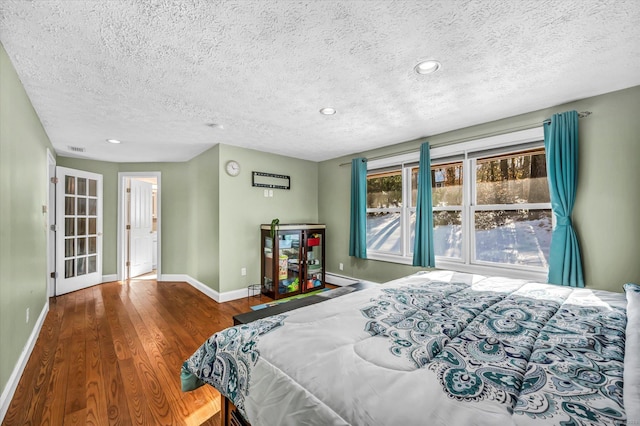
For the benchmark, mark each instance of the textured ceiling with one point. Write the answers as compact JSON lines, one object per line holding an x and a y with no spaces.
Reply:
{"x":154,"y":74}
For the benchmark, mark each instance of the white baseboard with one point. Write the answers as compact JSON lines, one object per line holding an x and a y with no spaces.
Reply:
{"x":233,"y":295}
{"x":12,"y":383}
{"x":340,"y":280}
{"x":109,"y":278}
{"x":203,"y":288}
{"x":174,"y":277}
{"x":335,"y":279}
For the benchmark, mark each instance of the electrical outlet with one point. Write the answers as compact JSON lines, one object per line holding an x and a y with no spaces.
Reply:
{"x":271,"y":193}
{"x":266,"y":193}
{"x":27,"y":315}
{"x":342,"y":267}
{"x":243,"y":271}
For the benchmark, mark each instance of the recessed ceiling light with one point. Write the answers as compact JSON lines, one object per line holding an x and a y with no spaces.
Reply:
{"x":328,"y":111}
{"x":215,"y":126}
{"x":427,"y":67}
{"x":113,"y":141}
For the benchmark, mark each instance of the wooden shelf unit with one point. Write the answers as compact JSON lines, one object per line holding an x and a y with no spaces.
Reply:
{"x":292,"y":261}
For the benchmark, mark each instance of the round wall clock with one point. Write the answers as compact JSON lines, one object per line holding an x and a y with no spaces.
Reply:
{"x":232,"y":168}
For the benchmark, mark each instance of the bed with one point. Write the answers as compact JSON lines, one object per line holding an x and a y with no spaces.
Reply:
{"x":439,"y":347}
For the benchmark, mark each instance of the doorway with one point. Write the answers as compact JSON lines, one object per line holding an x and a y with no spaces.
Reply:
{"x":139,"y":227}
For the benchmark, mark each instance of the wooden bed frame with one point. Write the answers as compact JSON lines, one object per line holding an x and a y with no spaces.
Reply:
{"x":230,"y":415}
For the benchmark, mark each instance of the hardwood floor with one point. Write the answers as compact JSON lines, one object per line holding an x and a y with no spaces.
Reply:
{"x":111,"y":354}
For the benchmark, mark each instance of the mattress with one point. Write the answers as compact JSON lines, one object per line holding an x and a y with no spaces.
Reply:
{"x":439,"y":347}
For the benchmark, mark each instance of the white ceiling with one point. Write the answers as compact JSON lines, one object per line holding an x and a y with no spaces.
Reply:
{"x":155,"y":73}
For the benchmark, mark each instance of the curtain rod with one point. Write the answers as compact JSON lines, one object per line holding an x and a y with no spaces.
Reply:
{"x":582,"y":114}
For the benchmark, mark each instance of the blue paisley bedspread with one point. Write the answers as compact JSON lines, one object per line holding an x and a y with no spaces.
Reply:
{"x":440,"y":348}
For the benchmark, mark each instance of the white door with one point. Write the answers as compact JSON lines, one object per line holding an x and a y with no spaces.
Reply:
{"x":78,"y":229}
{"x":141,"y":228}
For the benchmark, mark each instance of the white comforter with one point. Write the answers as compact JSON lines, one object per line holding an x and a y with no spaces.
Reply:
{"x":438,"y":348}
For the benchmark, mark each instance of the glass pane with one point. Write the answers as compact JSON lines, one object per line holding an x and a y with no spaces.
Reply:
{"x":289,"y":241}
{"x":512,"y":179}
{"x":93,"y":188}
{"x":414,"y":186}
{"x":288,"y":269}
{"x":446,"y":185}
{"x":68,"y":268}
{"x":69,"y":185}
{"x":93,"y":207}
{"x":82,"y":186}
{"x":82,"y":266}
{"x":82,"y":226}
{"x":384,"y":190}
{"x":515,"y":237}
{"x":69,"y":206}
{"x":314,"y":261}
{"x":383,"y":232}
{"x":82,"y":246}
{"x":92,"y":226}
{"x":69,"y":246}
{"x":92,"y":264}
{"x":412,"y":230}
{"x":82,"y":206}
{"x":447,"y":233}
{"x":69,"y":227}
{"x":92,"y":245}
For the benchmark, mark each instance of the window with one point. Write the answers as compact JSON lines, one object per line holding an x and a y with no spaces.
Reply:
{"x":511,"y":213}
{"x":491,"y":205}
{"x":391,"y":211}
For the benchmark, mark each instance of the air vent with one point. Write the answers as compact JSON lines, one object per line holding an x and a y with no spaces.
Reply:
{"x":76,"y":148}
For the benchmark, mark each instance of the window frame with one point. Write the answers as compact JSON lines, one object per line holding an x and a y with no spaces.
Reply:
{"x":406,"y":251}
{"x":467,"y":152}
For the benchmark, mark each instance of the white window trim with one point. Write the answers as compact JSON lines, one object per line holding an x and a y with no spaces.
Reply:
{"x":387,"y":257}
{"x":463,"y":149}
{"x":500,"y":141}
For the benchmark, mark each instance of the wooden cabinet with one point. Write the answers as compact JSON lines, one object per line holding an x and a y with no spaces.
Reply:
{"x":292,"y":259}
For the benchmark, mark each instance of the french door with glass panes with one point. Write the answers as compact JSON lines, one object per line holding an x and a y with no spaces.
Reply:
{"x":78,"y":229}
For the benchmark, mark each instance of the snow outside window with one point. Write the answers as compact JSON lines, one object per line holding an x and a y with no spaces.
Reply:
{"x":491,"y":206}
{"x":511,"y":209}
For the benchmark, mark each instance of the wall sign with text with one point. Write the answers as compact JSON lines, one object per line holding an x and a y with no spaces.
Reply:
{"x":270,"y":180}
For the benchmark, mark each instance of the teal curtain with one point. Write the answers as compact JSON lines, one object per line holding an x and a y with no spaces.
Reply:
{"x":423,"y":253}
{"x":358,"y":233}
{"x":561,"y":146}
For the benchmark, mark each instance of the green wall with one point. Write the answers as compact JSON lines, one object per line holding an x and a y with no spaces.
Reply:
{"x":243,"y":208}
{"x":204,"y":228}
{"x":607,"y":202}
{"x":23,"y":226}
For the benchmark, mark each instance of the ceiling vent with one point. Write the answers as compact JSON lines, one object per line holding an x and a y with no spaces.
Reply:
{"x":76,"y":148}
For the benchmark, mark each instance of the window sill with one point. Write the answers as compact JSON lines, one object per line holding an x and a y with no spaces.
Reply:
{"x":389,"y":258}
{"x":537,"y":276}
